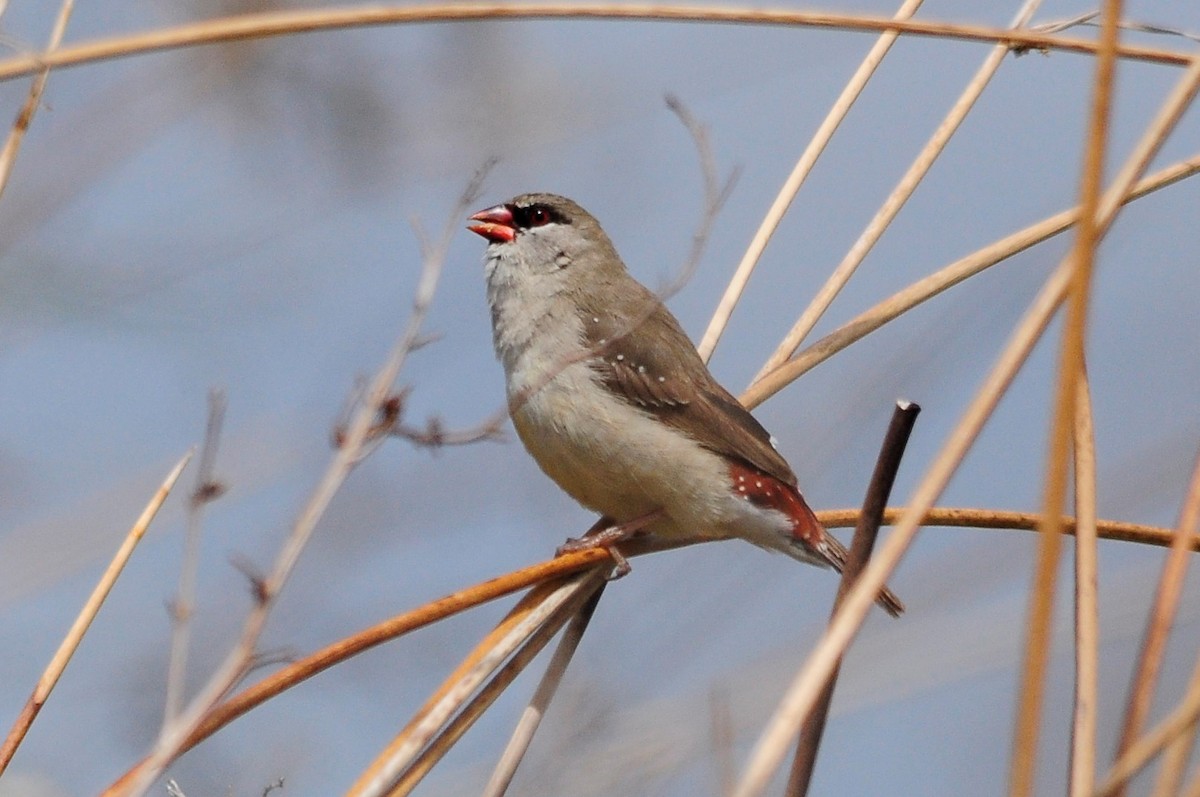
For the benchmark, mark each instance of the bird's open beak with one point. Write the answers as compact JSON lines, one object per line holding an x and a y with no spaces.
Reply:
{"x":495,"y":224}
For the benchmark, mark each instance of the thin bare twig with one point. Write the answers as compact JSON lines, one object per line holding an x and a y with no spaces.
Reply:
{"x":934,"y":284}
{"x":487,"y":695}
{"x":545,"y":604}
{"x":206,"y":490}
{"x":174,"y":735}
{"x":8,"y":155}
{"x":527,"y":726}
{"x":293,"y":21}
{"x":791,"y":187}
{"x":1160,"y":619}
{"x":878,"y":491}
{"x":70,"y":643}
{"x":896,"y":199}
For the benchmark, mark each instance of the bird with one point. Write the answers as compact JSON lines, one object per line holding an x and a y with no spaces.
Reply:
{"x":611,"y":399}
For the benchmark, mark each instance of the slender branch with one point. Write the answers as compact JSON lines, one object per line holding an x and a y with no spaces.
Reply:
{"x":294,"y":21}
{"x":544,"y":604}
{"x":934,"y":284}
{"x":301,"y":670}
{"x":896,"y":200}
{"x":474,"y":709}
{"x":791,"y":187}
{"x":527,"y":726}
{"x":70,"y":643}
{"x":8,"y":155}
{"x":206,"y":490}
{"x":173,"y":736}
{"x":1161,"y":618}
{"x":865,"y":532}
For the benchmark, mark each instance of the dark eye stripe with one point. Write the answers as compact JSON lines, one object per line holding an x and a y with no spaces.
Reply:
{"x":536,"y":216}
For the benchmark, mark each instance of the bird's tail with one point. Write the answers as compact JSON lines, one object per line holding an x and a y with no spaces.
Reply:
{"x":835,"y":554}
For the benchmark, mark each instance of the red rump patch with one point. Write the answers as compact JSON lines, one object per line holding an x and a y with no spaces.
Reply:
{"x":769,"y":493}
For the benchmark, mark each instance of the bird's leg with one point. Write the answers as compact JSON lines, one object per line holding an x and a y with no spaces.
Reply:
{"x":605,"y":534}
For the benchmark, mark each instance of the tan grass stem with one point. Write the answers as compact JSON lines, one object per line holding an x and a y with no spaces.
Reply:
{"x":896,"y":199}
{"x":66,"y":649}
{"x":791,"y":186}
{"x":1087,"y":631}
{"x":294,"y":21}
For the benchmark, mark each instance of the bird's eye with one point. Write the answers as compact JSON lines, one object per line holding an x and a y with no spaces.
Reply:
{"x":538,"y":216}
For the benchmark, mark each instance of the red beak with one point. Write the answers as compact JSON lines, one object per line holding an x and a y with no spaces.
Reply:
{"x":495,"y":224}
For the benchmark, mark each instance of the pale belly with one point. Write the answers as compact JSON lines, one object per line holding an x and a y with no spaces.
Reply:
{"x":617,"y":460}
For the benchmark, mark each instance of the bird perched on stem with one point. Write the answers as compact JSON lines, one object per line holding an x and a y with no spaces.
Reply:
{"x":608,"y":394}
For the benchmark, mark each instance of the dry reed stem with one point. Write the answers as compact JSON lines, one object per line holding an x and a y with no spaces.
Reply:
{"x":173,"y":735}
{"x":540,"y":606}
{"x":278,"y":23}
{"x":934,"y":284}
{"x":206,"y":490}
{"x":1183,"y":718}
{"x":866,"y":531}
{"x":495,"y":687}
{"x":1031,"y":691}
{"x":67,"y":648}
{"x":803,"y":692}
{"x":791,"y":186}
{"x":1193,"y":787}
{"x":8,"y":155}
{"x":531,"y":718}
{"x":299,"y":671}
{"x":1161,"y":617}
{"x":895,"y":201}
{"x":1087,"y":632}
{"x":798,"y":701}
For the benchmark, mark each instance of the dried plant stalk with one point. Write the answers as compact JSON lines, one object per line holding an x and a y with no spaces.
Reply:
{"x":1087,"y":631}
{"x":896,"y":200}
{"x":770,"y":222}
{"x":70,"y":643}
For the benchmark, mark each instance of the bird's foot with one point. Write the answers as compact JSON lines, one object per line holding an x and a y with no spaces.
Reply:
{"x":606,"y":534}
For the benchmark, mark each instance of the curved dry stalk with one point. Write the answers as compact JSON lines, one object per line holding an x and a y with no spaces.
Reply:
{"x":206,"y":490}
{"x":895,"y":201}
{"x":1158,"y":629}
{"x":546,"y":604}
{"x":531,"y":718}
{"x":1090,"y":229}
{"x":301,"y":670}
{"x":291,"y":22}
{"x":8,"y":155}
{"x":928,"y":287}
{"x":70,"y":643}
{"x":1087,"y":630}
{"x":791,"y":186}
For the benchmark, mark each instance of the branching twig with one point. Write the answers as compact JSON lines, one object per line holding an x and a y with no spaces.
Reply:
{"x":174,"y":735}
{"x":8,"y":155}
{"x":207,"y":489}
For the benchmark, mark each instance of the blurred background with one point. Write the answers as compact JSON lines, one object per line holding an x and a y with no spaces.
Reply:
{"x":239,"y":217}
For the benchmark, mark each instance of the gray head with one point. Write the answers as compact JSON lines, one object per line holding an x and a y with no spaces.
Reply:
{"x":546,"y":234}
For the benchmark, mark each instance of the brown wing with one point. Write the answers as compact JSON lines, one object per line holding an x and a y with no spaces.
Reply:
{"x":640,"y":366}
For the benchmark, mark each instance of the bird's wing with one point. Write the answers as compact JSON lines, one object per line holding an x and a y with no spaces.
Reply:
{"x":677,"y":390}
